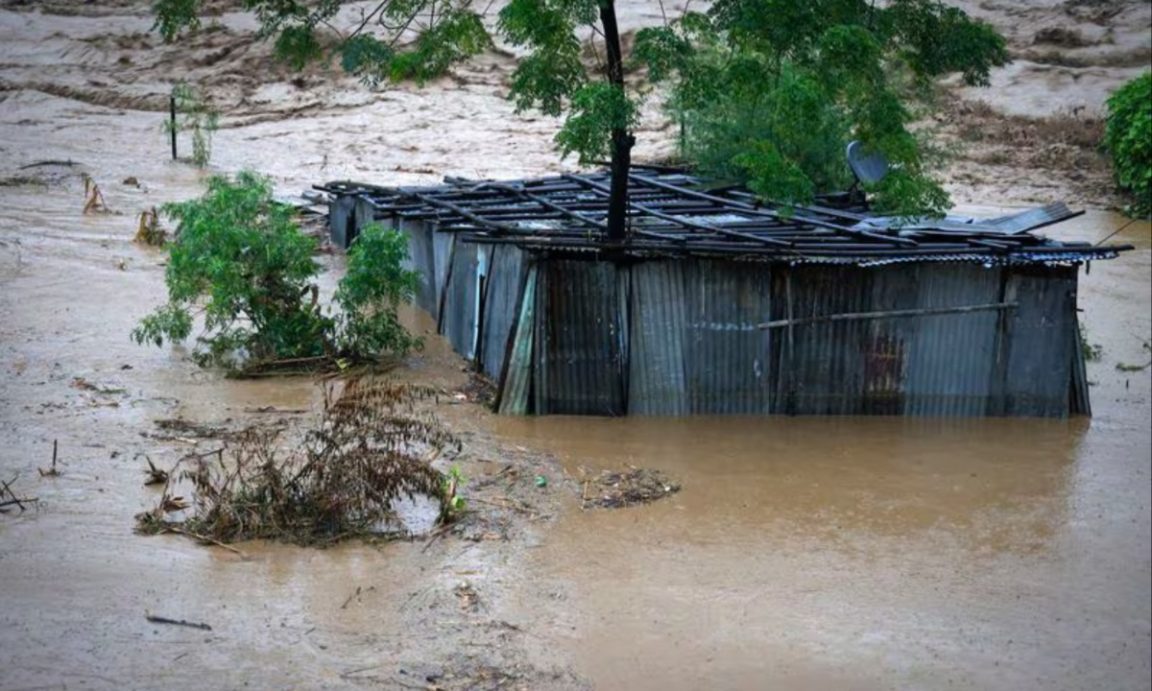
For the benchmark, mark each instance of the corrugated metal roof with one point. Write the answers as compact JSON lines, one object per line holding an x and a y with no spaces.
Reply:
{"x":677,"y":214}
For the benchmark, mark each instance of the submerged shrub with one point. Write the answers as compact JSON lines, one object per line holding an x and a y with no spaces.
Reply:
{"x":372,"y":290}
{"x":240,"y":259}
{"x":372,"y":447}
{"x":1129,"y":140}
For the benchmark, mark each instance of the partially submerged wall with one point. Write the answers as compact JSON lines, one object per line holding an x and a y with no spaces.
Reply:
{"x":574,"y":334}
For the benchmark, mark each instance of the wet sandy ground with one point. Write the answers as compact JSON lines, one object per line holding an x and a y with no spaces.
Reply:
{"x":801,"y":553}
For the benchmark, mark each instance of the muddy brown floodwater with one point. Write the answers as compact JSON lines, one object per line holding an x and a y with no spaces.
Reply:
{"x":800,"y":553}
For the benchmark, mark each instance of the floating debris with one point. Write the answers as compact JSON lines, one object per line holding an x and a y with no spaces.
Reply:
{"x":617,"y":489}
{"x":370,"y":448}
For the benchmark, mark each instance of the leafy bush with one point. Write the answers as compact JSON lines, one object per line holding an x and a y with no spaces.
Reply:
{"x":240,"y":259}
{"x":1129,"y":139}
{"x":372,"y":289}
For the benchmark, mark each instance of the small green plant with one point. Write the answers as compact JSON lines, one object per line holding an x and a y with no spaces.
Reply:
{"x":1129,"y":139}
{"x":196,"y":116}
{"x":1092,"y":351}
{"x":454,"y":503}
{"x":240,"y":260}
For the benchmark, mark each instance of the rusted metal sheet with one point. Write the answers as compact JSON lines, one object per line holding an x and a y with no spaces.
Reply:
{"x":656,"y":351}
{"x":1038,"y":372}
{"x":886,"y":341}
{"x":516,"y":383}
{"x":500,"y":304}
{"x":726,"y":354}
{"x":579,"y":362}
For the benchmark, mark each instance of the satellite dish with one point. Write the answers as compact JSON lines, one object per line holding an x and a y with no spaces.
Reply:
{"x":868,"y":167}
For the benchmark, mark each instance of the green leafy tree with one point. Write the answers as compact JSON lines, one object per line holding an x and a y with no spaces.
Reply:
{"x":1129,"y":139}
{"x":420,"y":39}
{"x":240,"y":260}
{"x":771,"y":91}
{"x":778,"y":66}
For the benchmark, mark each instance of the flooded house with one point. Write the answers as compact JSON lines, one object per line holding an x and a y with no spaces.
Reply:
{"x":719,"y":304}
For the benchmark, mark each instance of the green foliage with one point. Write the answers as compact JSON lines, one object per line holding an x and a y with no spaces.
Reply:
{"x":196,"y":116}
{"x":596,"y":109}
{"x":298,"y":45}
{"x":452,"y":482}
{"x":240,"y":260}
{"x":459,"y":34}
{"x":771,"y":91}
{"x":371,"y":291}
{"x":368,"y":58}
{"x":1092,"y":352}
{"x":174,"y":16}
{"x":1129,"y":140}
{"x":379,"y":48}
{"x":768,"y":91}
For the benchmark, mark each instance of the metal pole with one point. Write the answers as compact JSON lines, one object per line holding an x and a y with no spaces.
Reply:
{"x":172,"y":123}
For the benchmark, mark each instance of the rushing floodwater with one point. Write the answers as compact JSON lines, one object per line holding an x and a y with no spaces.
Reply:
{"x":801,"y":553}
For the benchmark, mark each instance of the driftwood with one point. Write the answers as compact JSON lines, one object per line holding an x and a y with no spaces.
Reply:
{"x":13,"y":500}
{"x":177,"y":622}
{"x":38,"y":164}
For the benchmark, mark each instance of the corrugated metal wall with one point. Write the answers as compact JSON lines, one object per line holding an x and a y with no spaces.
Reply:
{"x":579,"y":364}
{"x":458,"y":319}
{"x":952,"y":357}
{"x":515,"y":394}
{"x":676,"y":337}
{"x":420,"y":258}
{"x":1042,"y":339}
{"x":727,"y":358}
{"x":340,"y":214}
{"x":656,"y":382}
{"x":820,"y":368}
{"x":501,"y":297}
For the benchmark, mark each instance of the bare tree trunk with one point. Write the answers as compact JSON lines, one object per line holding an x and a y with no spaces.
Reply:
{"x":622,"y":139}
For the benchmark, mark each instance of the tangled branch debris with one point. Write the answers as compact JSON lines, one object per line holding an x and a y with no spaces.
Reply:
{"x":9,"y":498}
{"x":617,"y":489}
{"x":372,"y":447}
